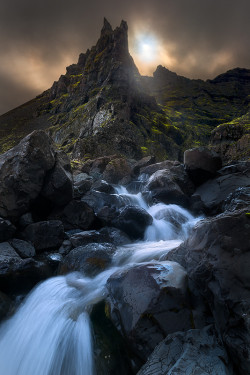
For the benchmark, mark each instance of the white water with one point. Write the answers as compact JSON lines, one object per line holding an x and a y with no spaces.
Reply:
{"x":51,"y":332}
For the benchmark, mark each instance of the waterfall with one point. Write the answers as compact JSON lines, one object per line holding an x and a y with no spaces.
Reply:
{"x":51,"y":334}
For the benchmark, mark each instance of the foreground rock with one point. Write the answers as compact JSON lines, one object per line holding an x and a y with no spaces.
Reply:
{"x":147,"y":302}
{"x":23,"y":171}
{"x":217,"y":259}
{"x":133,"y":220}
{"x":201,"y":164}
{"x":195,"y":351}
{"x":213,"y":193}
{"x":90,"y":259}
{"x":45,"y":235}
{"x":17,"y":274}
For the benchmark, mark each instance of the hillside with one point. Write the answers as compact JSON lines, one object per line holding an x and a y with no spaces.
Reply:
{"x":103,"y":106}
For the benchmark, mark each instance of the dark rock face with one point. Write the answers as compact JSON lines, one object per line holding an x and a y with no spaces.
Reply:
{"x":17,"y":274}
{"x":196,"y":350}
{"x":45,"y":235}
{"x":22,"y":173}
{"x":133,"y":221}
{"x":147,"y":302}
{"x":58,"y":185}
{"x":7,"y":230}
{"x":23,"y":248}
{"x":239,"y":199}
{"x":5,"y":304}
{"x":213,"y":193}
{"x":90,"y":259}
{"x":83,"y":238}
{"x":201,"y":164}
{"x":217,"y":259}
{"x":77,"y":214}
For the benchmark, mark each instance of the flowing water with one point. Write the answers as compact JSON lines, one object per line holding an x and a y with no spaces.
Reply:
{"x":51,"y":334}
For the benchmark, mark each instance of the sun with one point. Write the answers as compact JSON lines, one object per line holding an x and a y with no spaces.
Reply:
{"x":146,"y":47}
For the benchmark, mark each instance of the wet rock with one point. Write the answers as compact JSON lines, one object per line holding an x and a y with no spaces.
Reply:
{"x":239,"y":199}
{"x":83,"y":238}
{"x":164,"y":188}
{"x":201,"y":164}
{"x":133,"y":220}
{"x":58,"y":184}
{"x":45,"y":235}
{"x":77,"y":214}
{"x":152,"y":168}
{"x":104,"y":187}
{"x":7,"y":230}
{"x":147,"y":302}
{"x":65,"y":247}
{"x":115,"y":236}
{"x":97,"y":200}
{"x":22,"y":173}
{"x":213,"y":193}
{"x":23,"y":248}
{"x":90,"y":259}
{"x":199,"y":351}
{"x":217,"y":259}
{"x":82,"y":184}
{"x":17,"y":274}
{"x":117,"y":171}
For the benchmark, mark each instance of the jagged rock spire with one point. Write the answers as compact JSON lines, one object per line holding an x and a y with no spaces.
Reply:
{"x":107,"y":28}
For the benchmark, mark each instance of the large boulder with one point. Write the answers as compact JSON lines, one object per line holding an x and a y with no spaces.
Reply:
{"x":26,"y":169}
{"x":133,"y":220}
{"x":117,"y":171}
{"x":198,"y":351}
{"x":58,"y":184}
{"x":77,"y":215}
{"x":23,"y":248}
{"x":90,"y":259}
{"x":201,"y":164}
{"x":215,"y":192}
{"x":45,"y":235}
{"x":217,"y":259}
{"x":147,"y":302}
{"x":17,"y":274}
{"x":163,"y":187}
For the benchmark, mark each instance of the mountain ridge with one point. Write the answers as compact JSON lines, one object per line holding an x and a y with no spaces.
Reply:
{"x":102,"y":105}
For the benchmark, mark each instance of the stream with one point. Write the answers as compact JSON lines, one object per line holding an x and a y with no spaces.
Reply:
{"x":50,"y":334}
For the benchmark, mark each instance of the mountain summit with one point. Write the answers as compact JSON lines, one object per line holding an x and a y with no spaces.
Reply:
{"x":103,"y":106}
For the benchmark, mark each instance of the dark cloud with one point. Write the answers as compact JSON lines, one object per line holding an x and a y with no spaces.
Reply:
{"x":197,"y":38}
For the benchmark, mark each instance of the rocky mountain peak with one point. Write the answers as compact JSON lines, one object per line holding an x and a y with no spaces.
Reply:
{"x":107,"y":28}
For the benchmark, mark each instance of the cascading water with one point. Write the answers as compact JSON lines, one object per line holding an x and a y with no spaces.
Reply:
{"x":50,"y":334}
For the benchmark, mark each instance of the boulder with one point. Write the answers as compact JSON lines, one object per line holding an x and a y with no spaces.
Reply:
{"x":201,"y":164}
{"x":23,"y":248}
{"x":117,"y":171}
{"x":90,"y":259}
{"x":198,"y":351}
{"x":18,"y":275}
{"x":147,"y":302}
{"x":215,"y":192}
{"x":77,"y":214}
{"x":217,"y":259}
{"x":133,"y":220}
{"x":116,"y":236}
{"x":163,"y":187}
{"x":45,"y":235}
{"x":104,"y":187}
{"x":7,"y":230}
{"x":58,"y":184}
{"x":83,"y":238}
{"x":152,"y":168}
{"x":22,"y":173}
{"x":82,"y":184}
{"x":97,"y":200}
{"x":144,"y":162}
{"x":240,"y":198}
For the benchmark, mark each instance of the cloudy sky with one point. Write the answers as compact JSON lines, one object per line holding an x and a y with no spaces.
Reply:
{"x":195,"y":38}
